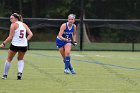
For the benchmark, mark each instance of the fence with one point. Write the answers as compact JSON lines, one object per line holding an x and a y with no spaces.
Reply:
{"x":94,"y":34}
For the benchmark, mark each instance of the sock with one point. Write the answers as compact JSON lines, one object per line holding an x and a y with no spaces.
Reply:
{"x":70,"y":66}
{"x":20,"y":65}
{"x":6,"y":67}
{"x":67,"y":61}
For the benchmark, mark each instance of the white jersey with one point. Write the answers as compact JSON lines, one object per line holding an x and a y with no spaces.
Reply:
{"x":19,"y":38}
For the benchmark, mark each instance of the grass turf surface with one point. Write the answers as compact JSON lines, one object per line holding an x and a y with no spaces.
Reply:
{"x":97,"y":72}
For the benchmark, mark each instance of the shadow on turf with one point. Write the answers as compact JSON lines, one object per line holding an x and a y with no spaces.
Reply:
{"x":52,"y":77}
{"x":121,"y":76}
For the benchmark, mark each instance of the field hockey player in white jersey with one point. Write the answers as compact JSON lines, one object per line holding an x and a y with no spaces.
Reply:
{"x":19,"y":44}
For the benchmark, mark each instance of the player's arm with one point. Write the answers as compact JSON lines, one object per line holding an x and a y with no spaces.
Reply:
{"x":74,"y":36}
{"x":11,"y":33}
{"x":62,"y":28}
{"x":30,"y":34}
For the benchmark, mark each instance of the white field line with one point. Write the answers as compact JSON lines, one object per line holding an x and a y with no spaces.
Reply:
{"x":90,"y":89}
{"x":108,"y":56}
{"x":50,"y":68}
{"x":78,"y":55}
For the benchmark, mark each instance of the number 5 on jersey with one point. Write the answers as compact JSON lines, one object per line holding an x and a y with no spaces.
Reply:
{"x":21,"y":34}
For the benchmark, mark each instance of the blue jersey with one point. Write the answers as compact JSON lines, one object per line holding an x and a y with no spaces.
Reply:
{"x":68,"y":33}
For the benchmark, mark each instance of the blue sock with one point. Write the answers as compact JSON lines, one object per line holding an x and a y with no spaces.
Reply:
{"x":70,"y":67}
{"x":67,"y":61}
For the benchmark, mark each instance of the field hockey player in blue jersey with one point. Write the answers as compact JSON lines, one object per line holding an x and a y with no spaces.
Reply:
{"x":66,"y":37}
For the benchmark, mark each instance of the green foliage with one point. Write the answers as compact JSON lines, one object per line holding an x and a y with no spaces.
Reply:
{"x":101,"y":9}
{"x":61,"y":9}
{"x":26,"y":1}
{"x":4,"y":10}
{"x":119,"y":9}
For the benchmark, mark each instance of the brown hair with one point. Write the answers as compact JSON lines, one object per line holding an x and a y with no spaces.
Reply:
{"x":18,"y":16}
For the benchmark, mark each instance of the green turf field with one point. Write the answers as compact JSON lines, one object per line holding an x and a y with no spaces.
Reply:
{"x":97,"y":72}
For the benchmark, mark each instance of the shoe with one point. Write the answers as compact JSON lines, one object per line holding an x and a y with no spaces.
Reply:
{"x":19,"y":75}
{"x":72,"y":72}
{"x":4,"y":77}
{"x":66,"y":71}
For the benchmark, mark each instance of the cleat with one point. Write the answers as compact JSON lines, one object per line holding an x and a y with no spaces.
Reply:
{"x":4,"y":77}
{"x":66,"y":71}
{"x":72,"y":72}
{"x":19,"y":75}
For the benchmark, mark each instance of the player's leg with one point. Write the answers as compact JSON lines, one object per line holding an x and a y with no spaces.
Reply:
{"x":60,"y":44}
{"x":7,"y":64}
{"x":62,"y":52}
{"x":68,"y":58}
{"x":20,"y":64}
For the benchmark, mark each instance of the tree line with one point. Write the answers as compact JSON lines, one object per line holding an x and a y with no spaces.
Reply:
{"x":92,"y":9}
{"x":106,"y":9}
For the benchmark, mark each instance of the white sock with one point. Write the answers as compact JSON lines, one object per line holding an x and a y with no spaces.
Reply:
{"x":6,"y":67}
{"x":20,"y":65}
